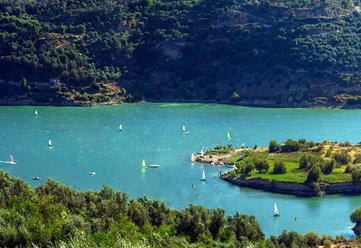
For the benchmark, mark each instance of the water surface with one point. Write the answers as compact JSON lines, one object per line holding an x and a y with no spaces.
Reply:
{"x":87,"y":139}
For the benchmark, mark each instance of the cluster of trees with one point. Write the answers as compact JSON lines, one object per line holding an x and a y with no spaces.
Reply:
{"x":291,"y":145}
{"x":219,"y":149}
{"x":315,"y":165}
{"x":260,"y":165}
{"x":53,"y":214}
{"x":159,"y":48}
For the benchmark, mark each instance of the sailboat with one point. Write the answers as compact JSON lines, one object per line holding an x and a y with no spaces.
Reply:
{"x":192,"y":157}
{"x":184,"y":130}
{"x":275,"y":210}
{"x":228,"y":135}
{"x":12,"y":160}
{"x":50,"y":144}
{"x":203,"y":176}
{"x":144,"y":165}
{"x":153,"y":165}
{"x":36,"y":112}
{"x":92,"y":173}
{"x":120,"y":127}
{"x":202,"y":153}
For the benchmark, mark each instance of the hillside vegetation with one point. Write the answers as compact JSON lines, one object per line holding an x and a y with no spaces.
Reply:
{"x":256,"y":52}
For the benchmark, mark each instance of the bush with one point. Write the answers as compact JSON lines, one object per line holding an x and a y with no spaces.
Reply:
{"x":312,"y":239}
{"x":261,"y":165}
{"x":357,"y":159}
{"x":306,"y":162}
{"x":291,"y":146}
{"x":342,"y":158}
{"x":328,"y":167}
{"x":326,"y":243}
{"x":313,"y":174}
{"x":291,"y":239}
{"x":356,"y":176}
{"x":355,"y":216}
{"x":247,"y":167}
{"x":273,"y":146}
{"x":329,"y":152}
{"x":349,"y":168}
{"x":279,"y":167}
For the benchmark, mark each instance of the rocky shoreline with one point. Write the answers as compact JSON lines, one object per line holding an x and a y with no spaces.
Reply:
{"x":299,"y":189}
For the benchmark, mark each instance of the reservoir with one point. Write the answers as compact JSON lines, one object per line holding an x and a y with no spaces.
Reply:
{"x":88,"y":140}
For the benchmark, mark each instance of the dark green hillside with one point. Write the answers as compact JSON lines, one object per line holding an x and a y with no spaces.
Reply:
{"x":275,"y":53}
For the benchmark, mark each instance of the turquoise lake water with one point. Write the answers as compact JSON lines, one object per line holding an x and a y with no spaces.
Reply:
{"x":87,"y":139}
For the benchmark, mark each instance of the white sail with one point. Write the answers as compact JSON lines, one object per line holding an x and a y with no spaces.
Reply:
{"x":50,"y":144}
{"x":12,"y":160}
{"x":192,"y":157}
{"x":120,"y":127}
{"x":36,"y":112}
{"x":275,"y":210}
{"x":143,"y":163}
{"x":184,"y":130}
{"x":203,"y":176}
{"x":202,"y":152}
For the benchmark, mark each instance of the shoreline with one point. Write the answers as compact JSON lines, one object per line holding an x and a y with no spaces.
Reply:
{"x":31,"y":102}
{"x":297,"y":189}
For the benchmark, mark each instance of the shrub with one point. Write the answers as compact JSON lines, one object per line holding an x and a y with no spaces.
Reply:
{"x":326,"y":243}
{"x":342,"y":157}
{"x":329,"y":152}
{"x":247,"y":167}
{"x":313,"y":174}
{"x":291,"y":146}
{"x":312,"y":239}
{"x":306,"y":162}
{"x":356,"y":175}
{"x":355,"y":216}
{"x":348,"y":169}
{"x":291,"y":239}
{"x":340,"y":239}
{"x":261,"y":165}
{"x":273,"y":146}
{"x":357,"y":159}
{"x":328,"y":167}
{"x":279,"y":167}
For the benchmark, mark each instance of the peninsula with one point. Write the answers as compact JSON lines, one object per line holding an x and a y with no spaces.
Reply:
{"x":297,"y":167}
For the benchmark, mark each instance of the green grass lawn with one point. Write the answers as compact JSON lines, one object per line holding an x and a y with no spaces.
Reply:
{"x":293,"y":174}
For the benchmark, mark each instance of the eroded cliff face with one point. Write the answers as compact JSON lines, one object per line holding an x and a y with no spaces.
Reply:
{"x":301,"y":189}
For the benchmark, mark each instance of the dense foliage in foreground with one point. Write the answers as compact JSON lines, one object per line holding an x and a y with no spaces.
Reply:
{"x":55,"y":215}
{"x":284,"y":53}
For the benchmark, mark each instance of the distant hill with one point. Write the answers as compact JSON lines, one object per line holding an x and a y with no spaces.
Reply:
{"x":296,"y":53}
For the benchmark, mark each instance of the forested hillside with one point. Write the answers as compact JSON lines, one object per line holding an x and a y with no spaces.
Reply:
{"x":258,"y":52}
